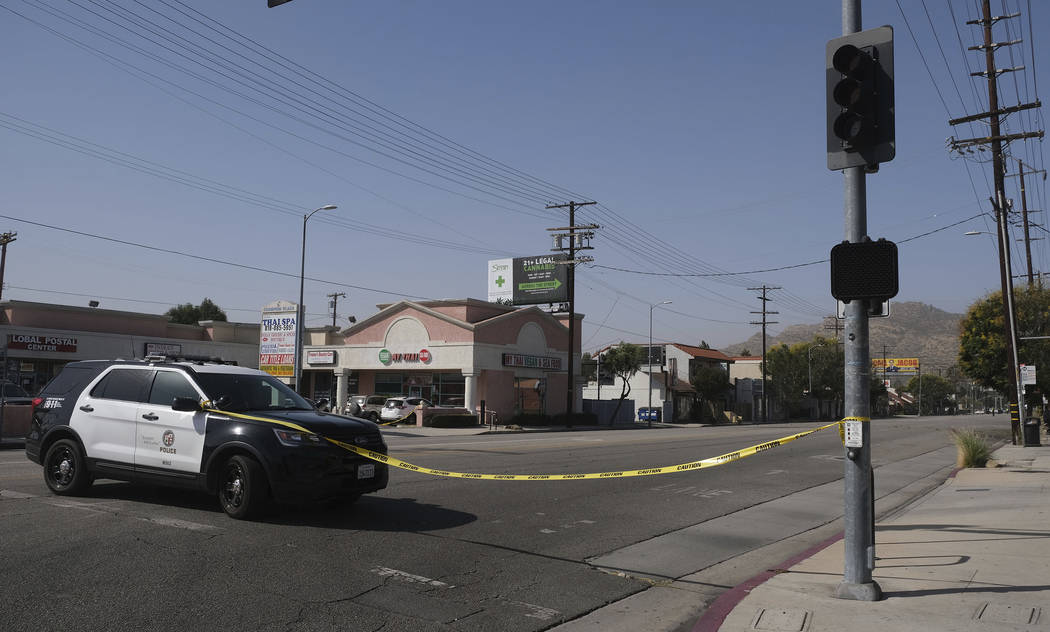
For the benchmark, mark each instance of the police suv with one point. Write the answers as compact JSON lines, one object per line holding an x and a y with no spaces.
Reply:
{"x":200,"y":425}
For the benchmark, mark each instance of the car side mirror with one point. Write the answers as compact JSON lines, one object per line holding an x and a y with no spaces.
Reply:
{"x":186,"y":404}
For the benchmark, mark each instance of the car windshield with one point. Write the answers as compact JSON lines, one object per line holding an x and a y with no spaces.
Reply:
{"x":239,"y":392}
{"x":14,"y":390}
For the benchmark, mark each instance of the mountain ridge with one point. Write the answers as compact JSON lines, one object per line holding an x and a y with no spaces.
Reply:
{"x":912,"y":330}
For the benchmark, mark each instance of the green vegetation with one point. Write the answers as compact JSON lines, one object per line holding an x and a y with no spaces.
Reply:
{"x":974,"y":450}
{"x":623,"y":361}
{"x":982,"y":341}
{"x":190,"y":314}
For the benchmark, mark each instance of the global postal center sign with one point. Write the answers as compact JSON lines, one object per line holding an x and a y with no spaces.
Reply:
{"x":29,"y":342}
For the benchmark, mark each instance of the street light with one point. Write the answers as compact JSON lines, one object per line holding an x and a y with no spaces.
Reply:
{"x":1006,"y":280}
{"x":300,"y":312}
{"x":809,"y":365}
{"x":649,"y":352}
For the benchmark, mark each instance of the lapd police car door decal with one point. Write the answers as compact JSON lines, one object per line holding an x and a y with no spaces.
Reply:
{"x":105,"y":413}
{"x":170,"y":439}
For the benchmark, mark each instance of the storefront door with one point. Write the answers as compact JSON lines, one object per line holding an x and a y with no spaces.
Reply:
{"x":426,"y":392}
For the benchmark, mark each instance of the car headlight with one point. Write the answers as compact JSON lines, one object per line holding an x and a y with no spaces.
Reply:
{"x":297,"y":438}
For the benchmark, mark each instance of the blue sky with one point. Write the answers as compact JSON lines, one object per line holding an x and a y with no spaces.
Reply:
{"x":698,"y":127}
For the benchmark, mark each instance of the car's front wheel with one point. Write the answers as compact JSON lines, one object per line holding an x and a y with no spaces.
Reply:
{"x":64,"y":469}
{"x":243,"y":487}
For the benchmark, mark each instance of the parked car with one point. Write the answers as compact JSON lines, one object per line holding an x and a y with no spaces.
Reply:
{"x":398,"y":407}
{"x":198,"y":425}
{"x":371,"y":405}
{"x":15,"y":394}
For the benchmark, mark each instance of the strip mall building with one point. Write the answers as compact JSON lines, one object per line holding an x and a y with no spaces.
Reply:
{"x":455,"y":352}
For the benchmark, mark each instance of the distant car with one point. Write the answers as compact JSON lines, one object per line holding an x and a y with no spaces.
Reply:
{"x":371,"y":405}
{"x":398,"y":407}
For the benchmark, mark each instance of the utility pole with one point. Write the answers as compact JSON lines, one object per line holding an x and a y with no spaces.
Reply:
{"x":334,"y":302}
{"x":1024,"y":215}
{"x":764,"y":322}
{"x":5,"y":239}
{"x":996,"y":139}
{"x":576,"y":242}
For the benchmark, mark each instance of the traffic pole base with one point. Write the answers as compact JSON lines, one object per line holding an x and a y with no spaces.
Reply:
{"x":859,"y":592}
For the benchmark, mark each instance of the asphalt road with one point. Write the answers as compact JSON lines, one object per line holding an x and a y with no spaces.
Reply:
{"x":431,"y":553}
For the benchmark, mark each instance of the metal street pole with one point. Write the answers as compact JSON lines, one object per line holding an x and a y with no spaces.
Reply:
{"x":649,"y":352}
{"x":809,"y":366}
{"x":857,"y":583}
{"x":299,"y":311}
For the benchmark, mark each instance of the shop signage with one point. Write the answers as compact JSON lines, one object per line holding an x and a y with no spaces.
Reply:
{"x":163,"y":348}
{"x":388,"y":357}
{"x":529,"y":280}
{"x":896,"y":365}
{"x":320,"y":357}
{"x":25,"y":367}
{"x":277,"y":336}
{"x":532,"y":362}
{"x":26,"y":342}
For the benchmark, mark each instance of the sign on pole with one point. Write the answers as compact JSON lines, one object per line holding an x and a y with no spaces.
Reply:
{"x":277,"y":336}
{"x":1028,"y":374}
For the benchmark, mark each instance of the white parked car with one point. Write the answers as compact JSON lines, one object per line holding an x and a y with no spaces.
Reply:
{"x":398,"y":407}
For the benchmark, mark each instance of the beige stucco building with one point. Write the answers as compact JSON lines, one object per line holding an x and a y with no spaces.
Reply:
{"x":40,"y":338}
{"x":454,"y":352}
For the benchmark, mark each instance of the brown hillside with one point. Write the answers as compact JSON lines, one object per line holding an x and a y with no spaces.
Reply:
{"x":913,"y":329}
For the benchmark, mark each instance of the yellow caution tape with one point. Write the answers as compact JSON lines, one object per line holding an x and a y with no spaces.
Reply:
{"x":668,"y":469}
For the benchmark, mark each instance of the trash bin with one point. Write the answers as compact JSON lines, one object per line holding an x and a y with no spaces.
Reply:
{"x":643,"y":414}
{"x":1031,"y":432}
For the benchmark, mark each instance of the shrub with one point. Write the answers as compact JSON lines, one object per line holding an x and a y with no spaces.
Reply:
{"x":530,"y":419}
{"x":974,"y":450}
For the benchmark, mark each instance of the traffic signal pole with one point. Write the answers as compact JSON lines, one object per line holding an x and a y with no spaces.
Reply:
{"x":859,"y":539}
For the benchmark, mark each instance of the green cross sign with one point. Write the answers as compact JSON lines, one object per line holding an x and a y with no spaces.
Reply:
{"x":500,"y":281}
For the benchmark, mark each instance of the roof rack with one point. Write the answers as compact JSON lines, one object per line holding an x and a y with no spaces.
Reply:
{"x":196,"y":359}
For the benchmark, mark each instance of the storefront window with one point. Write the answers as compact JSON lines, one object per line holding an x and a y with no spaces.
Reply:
{"x":528,"y":395}
{"x":389,"y":384}
{"x":449,"y":389}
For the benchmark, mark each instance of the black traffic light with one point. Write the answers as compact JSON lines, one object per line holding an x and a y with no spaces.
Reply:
{"x":866,"y":270}
{"x":859,"y":70}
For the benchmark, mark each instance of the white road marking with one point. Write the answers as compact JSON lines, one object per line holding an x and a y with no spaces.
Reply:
{"x":774,"y":472}
{"x":711,"y":493}
{"x":536,"y":612}
{"x":181,"y":524}
{"x":383,"y":571}
{"x":547,"y":531}
{"x":7,"y":493}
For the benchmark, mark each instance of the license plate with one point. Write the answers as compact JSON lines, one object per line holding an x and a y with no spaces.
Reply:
{"x":368,"y":470}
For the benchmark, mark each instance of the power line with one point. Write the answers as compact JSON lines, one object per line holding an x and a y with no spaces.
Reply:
{"x":208,"y":259}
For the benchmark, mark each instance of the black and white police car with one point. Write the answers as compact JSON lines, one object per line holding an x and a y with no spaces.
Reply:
{"x":187,"y":424}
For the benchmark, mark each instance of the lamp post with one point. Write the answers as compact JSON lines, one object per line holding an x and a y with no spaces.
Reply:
{"x":300,"y":312}
{"x":649,"y":352}
{"x":809,"y":365}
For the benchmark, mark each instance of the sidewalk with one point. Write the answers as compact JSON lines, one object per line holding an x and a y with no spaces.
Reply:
{"x":972,"y":555}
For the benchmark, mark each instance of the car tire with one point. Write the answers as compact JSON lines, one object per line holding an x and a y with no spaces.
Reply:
{"x":243,"y":488}
{"x":65,"y":470}
{"x":373,"y":416}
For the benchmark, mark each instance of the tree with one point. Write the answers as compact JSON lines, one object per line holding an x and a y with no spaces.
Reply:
{"x":711,"y":383}
{"x":788,"y":376}
{"x":982,"y":342}
{"x":190,"y":314}
{"x":588,"y":367}
{"x":623,"y":361}
{"x":745,"y":352}
{"x":935,"y":390}
{"x":704,"y":345}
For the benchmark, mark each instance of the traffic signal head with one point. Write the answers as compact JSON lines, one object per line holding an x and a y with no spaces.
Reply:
{"x":859,"y":71}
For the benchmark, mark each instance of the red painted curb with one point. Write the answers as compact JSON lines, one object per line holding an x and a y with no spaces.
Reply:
{"x":716,"y":614}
